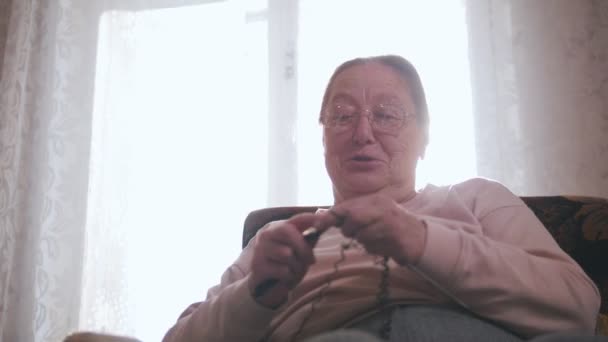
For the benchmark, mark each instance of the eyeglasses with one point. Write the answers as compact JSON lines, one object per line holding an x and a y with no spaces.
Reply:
{"x":383,"y":118}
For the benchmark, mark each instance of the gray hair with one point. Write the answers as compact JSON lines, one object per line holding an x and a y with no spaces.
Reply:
{"x":405,"y":70}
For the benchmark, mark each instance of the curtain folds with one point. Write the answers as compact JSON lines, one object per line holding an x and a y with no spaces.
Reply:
{"x":540,"y":91}
{"x":5,"y":7}
{"x":46,"y":89}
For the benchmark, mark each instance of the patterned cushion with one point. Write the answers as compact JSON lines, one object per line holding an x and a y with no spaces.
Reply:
{"x":578,"y":224}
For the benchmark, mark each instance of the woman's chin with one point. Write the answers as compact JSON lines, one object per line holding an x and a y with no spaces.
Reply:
{"x":364,"y":184}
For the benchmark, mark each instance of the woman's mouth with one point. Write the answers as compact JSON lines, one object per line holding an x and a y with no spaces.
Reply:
{"x":362,"y":158}
{"x":364,"y":162}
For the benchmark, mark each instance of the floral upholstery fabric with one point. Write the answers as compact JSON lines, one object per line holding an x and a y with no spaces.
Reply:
{"x":578,"y":224}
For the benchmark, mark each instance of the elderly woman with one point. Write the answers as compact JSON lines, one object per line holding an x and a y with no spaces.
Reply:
{"x":463,"y":262}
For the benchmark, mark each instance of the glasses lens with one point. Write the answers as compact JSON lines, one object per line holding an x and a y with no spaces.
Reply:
{"x":386,"y":119}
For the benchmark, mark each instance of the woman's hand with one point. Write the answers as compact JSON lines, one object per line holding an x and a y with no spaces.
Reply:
{"x":380,"y":225}
{"x":281,"y":253}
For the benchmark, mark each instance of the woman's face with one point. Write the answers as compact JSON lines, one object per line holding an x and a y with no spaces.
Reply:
{"x":362,"y":157}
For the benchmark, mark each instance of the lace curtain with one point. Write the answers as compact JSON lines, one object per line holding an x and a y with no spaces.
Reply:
{"x":45,"y":124}
{"x":540,"y":99}
{"x":540,"y":85}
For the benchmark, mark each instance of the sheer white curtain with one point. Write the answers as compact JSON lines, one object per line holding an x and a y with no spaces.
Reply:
{"x":46,"y":82}
{"x":541,"y":94}
{"x":179,"y":157}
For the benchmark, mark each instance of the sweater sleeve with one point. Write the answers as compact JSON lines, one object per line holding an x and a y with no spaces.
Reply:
{"x":229,"y":313}
{"x":508,"y":268}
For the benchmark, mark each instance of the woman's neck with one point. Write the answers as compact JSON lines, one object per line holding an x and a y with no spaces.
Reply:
{"x":400,"y":194}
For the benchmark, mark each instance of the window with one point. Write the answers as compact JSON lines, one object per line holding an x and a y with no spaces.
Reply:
{"x":431,"y":34}
{"x":187,"y":142}
{"x":179,"y":159}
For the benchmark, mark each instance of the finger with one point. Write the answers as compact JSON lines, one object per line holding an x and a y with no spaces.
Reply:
{"x":303,"y":221}
{"x":279,"y":253}
{"x":297,"y":269}
{"x":291,"y":272}
{"x":375,"y":232}
{"x":274,"y":270}
{"x":353,"y":226}
{"x":344,"y":216}
{"x":359,"y":211}
{"x":296,"y":279}
{"x":288,"y":272}
{"x":374,"y":238}
{"x":290,"y":236}
{"x":284,"y":255}
{"x":327,"y":219}
{"x":273,"y":245}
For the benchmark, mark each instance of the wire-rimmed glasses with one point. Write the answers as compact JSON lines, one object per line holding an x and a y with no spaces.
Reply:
{"x":382,"y":118}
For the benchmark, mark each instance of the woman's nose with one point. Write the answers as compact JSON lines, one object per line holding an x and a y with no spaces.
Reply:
{"x":363,"y":133}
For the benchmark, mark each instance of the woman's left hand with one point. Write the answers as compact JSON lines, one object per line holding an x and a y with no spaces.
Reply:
{"x":381,"y":225}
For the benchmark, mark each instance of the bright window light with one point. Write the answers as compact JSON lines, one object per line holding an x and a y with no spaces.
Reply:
{"x":431,"y":34}
{"x":180,"y":137}
{"x":179,"y":159}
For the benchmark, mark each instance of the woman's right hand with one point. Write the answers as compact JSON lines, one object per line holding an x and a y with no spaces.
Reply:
{"x":280,"y":252}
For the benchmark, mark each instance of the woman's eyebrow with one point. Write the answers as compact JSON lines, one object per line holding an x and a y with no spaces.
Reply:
{"x":343,"y":97}
{"x":387,"y":98}
{"x":383,"y":98}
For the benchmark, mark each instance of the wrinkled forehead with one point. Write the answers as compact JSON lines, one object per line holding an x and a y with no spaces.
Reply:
{"x":370,"y":82}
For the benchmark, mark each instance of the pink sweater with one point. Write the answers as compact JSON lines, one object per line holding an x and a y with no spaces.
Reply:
{"x":485,"y":251}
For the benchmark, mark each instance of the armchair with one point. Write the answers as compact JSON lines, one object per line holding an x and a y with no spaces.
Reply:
{"x":578,"y":224}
